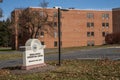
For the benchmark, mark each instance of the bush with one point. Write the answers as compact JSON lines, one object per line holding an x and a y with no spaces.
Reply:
{"x":113,"y":38}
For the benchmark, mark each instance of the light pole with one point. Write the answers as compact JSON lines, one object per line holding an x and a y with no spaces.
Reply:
{"x":59,"y":34}
{"x":59,"y":38}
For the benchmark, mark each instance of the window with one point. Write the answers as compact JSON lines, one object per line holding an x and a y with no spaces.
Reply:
{"x":105,"y":16}
{"x":90,"y":24}
{"x":55,"y":34}
{"x":90,"y":34}
{"x":105,"y":24}
{"x":90,"y":15}
{"x":61,"y":43}
{"x":42,"y":34}
{"x":55,"y":44}
{"x":55,"y":24}
{"x":42,"y":42}
{"x":55,"y":14}
{"x":90,"y":43}
{"x":103,"y":34}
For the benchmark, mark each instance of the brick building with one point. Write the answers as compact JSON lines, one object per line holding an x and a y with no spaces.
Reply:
{"x":116,"y":20}
{"x":78,"y":27}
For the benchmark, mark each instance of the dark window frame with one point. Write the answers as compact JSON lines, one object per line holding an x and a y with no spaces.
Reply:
{"x":90,"y":24}
{"x":90,"y":15}
{"x":88,"y":34}
{"x":42,"y":42}
{"x":107,"y":24}
{"x":90,"y":43}
{"x":105,"y":16}
{"x":103,"y":24}
{"x":103,"y":34}
{"x":55,"y":14}
{"x":55,"y":43}
{"x":55,"y":24}
{"x":42,"y":33}
{"x":92,"y":33}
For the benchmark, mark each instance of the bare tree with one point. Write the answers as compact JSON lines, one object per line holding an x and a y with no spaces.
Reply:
{"x":33,"y":22}
{"x":44,"y":4}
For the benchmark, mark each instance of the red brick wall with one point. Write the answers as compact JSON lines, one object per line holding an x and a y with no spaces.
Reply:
{"x":74,"y":28}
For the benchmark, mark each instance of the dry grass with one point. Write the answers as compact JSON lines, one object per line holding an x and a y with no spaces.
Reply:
{"x":73,"y":70}
{"x":10,"y":56}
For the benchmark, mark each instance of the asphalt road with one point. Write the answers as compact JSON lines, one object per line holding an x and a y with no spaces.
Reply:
{"x":98,"y":53}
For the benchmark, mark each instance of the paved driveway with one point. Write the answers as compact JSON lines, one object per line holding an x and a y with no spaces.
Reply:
{"x":99,"y":53}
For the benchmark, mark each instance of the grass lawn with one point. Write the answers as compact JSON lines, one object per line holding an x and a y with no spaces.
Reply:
{"x":72,"y":70}
{"x":10,"y":56}
{"x":69,"y":70}
{"x":6,"y":49}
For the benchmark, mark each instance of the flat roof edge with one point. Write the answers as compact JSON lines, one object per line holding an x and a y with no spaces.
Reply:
{"x":79,"y":9}
{"x":114,"y":9}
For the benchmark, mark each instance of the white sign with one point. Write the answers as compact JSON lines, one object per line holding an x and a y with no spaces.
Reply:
{"x":34,"y":53}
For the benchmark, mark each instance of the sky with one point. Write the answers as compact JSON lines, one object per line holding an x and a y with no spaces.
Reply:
{"x":9,"y":5}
